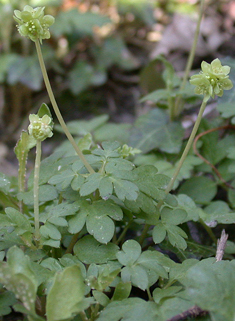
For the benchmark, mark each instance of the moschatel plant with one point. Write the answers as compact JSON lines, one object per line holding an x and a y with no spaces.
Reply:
{"x":73,"y":246}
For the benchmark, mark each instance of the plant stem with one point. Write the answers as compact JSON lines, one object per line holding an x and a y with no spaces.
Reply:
{"x":36,"y":190}
{"x":209,"y":231}
{"x":144,"y":234}
{"x":149,"y":294}
{"x":186,"y":150}
{"x":178,"y":108}
{"x":57,"y":111}
{"x":121,"y":236}
{"x":83,"y":316}
{"x":72,"y":243}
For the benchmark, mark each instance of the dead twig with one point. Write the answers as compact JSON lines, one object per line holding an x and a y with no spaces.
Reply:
{"x":193,"y":312}
{"x":221,"y":246}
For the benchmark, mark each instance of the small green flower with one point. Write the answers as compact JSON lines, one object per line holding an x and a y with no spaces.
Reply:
{"x":40,"y":128}
{"x":212,"y":80}
{"x":126,"y":151}
{"x":32,"y":23}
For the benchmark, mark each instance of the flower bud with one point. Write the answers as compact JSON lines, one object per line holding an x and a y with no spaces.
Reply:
{"x":40,"y":128}
{"x":32,"y":23}
{"x":126,"y":151}
{"x":212,"y":80}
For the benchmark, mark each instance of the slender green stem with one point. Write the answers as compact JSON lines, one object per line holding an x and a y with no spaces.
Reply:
{"x":72,"y":243}
{"x":83,"y":316}
{"x":149,"y":294}
{"x":57,"y":111}
{"x":209,"y":231}
{"x":186,"y":150}
{"x":123,"y":233}
{"x":95,"y":312}
{"x":190,"y":58}
{"x":144,"y":234}
{"x":36,"y":190}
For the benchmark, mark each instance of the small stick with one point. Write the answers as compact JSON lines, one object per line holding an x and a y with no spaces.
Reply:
{"x":194,"y":311}
{"x":221,"y":246}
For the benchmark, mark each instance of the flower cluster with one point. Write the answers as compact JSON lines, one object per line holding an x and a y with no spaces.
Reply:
{"x":126,"y":151}
{"x":212,"y":80}
{"x":40,"y":128}
{"x":33,"y":23}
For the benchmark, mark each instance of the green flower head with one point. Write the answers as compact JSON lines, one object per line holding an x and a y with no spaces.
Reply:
{"x":32,"y":23}
{"x":212,"y":80}
{"x":40,"y":128}
{"x":126,"y":151}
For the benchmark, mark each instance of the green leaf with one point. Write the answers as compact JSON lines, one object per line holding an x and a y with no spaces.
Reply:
{"x":172,"y":307}
{"x":131,"y":251}
{"x":27,"y":71}
{"x":159,"y":294}
{"x":100,"y":277}
{"x":66,"y":294}
{"x":156,"y":96}
{"x":16,"y":219}
{"x":227,"y":110}
{"x":115,"y":132}
{"x":217,"y":212}
{"x":131,"y":309}
{"x":7,"y":299}
{"x":168,"y":225}
{"x":174,"y":217}
{"x":159,"y":233}
{"x":137,"y":275}
{"x":88,"y":250}
{"x":124,"y":189}
{"x":201,"y":189}
{"x":6,"y":60}
{"x":91,"y":184}
{"x":105,"y":187}
{"x":80,"y":78}
{"x":50,"y":231}
{"x":179,"y":270}
{"x":176,"y":236}
{"x":58,"y":212}
{"x":24,"y":144}
{"x":153,"y":130}
{"x":153,"y":261}
{"x":142,"y":269}
{"x":23,"y":310}
{"x":115,"y":52}
{"x":101,"y":227}
{"x":205,"y":278}
{"x":84,"y":127}
{"x":168,"y":168}
{"x":122,"y":291}
{"x":44,"y":110}
{"x":186,"y":203}
{"x":17,"y":276}
{"x":5,"y":183}
{"x":149,"y":181}
{"x":77,"y":222}
{"x":101,"y":298}
{"x":63,"y":179}
{"x":73,"y":21}
{"x":46,"y":193}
